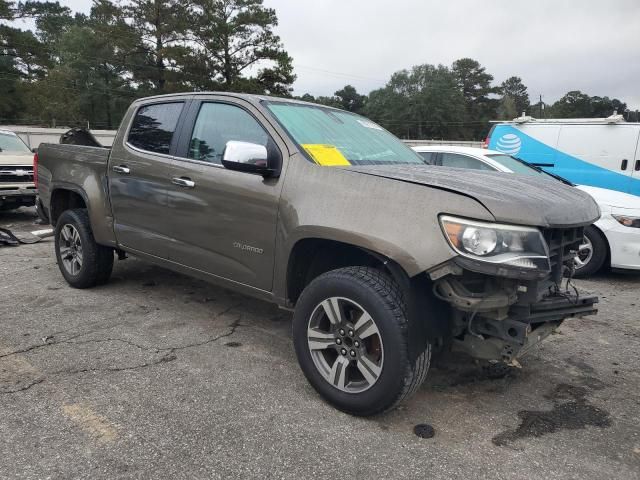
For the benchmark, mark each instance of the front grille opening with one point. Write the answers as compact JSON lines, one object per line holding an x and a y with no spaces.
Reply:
{"x":563,"y":243}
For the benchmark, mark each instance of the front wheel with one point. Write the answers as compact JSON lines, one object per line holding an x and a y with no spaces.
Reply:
{"x":350,"y":331}
{"x":82,"y":262}
{"x":592,"y":253}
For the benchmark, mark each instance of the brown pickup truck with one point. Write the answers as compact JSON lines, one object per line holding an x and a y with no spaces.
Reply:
{"x":17,"y":186}
{"x":383,"y":259}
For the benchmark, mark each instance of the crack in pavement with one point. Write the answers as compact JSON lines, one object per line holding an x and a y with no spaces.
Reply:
{"x":23,"y":388}
{"x":85,"y":333}
{"x":169,"y":356}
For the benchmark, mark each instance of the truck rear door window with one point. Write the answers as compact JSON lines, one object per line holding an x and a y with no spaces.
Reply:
{"x":153,"y":127}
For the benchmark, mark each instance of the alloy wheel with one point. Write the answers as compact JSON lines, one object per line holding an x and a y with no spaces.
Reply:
{"x":585,"y":253}
{"x":70,"y":249}
{"x":345,"y":345}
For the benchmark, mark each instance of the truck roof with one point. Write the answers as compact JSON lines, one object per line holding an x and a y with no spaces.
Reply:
{"x":253,"y":98}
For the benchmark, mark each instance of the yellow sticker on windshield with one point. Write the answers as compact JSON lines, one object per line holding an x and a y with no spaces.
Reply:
{"x":325,"y":155}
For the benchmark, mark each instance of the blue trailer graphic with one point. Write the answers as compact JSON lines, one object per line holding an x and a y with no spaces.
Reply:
{"x":589,"y":161}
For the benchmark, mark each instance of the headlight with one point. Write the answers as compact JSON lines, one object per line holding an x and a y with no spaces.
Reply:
{"x":633,"y":222}
{"x":508,"y":245}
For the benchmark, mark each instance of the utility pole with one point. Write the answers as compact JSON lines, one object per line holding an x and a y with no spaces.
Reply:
{"x":540,"y":105}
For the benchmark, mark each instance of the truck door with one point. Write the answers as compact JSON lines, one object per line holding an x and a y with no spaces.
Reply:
{"x":597,"y":155}
{"x":223,"y":222}
{"x":139,"y":173}
{"x":635,"y":176}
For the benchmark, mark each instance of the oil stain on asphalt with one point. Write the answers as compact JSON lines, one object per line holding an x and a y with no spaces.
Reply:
{"x":571,"y":411}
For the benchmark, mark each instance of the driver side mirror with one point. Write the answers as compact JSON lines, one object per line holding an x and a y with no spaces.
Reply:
{"x":252,"y":158}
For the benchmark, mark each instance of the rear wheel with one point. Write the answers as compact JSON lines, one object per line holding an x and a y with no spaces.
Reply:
{"x":82,"y":262}
{"x":350,"y":332}
{"x":592,"y":253}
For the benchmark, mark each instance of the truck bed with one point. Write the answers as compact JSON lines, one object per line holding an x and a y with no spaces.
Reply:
{"x":82,"y":170}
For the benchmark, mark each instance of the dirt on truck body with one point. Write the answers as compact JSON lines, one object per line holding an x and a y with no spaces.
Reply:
{"x":385,"y":260}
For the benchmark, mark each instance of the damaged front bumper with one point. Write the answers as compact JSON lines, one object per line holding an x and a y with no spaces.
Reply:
{"x":500,"y":319}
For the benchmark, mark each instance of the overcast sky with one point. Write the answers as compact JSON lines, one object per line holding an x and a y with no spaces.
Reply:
{"x":553,"y":45}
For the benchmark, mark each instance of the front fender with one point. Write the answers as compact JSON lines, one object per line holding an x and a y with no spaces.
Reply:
{"x":398,"y":220}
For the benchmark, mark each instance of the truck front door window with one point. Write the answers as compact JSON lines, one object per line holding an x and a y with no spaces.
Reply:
{"x":153,"y":127}
{"x":217,"y":124}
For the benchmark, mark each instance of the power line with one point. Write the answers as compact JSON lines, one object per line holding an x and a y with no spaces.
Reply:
{"x":341,"y":74}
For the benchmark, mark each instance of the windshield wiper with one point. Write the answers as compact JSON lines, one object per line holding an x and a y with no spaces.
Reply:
{"x":538,"y":169}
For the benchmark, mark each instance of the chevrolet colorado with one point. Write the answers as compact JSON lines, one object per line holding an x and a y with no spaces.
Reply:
{"x":382,"y":258}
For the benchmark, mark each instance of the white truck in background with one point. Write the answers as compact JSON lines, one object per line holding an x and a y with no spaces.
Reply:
{"x":17,"y":186}
{"x":596,"y":152}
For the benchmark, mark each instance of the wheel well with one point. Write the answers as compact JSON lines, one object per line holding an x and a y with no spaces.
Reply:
{"x":607,"y":261}
{"x":313,"y":257}
{"x":62,"y":200}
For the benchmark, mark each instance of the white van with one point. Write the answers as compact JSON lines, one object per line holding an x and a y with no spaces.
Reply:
{"x":600,"y":152}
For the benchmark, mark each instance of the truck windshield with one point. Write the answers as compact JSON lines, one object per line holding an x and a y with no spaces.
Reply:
{"x":334,"y":137}
{"x":11,"y":144}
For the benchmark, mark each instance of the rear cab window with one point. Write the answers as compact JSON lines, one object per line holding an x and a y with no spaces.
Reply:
{"x":153,"y":127}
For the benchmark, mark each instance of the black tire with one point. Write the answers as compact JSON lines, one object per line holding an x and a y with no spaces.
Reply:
{"x":599,"y":253}
{"x":380,"y":296}
{"x":97,"y":260}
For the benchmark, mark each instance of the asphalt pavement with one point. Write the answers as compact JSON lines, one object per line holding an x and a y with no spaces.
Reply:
{"x":156,"y":375}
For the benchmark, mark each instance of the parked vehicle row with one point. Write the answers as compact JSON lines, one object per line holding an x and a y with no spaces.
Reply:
{"x":614,"y":240}
{"x":384,"y":259}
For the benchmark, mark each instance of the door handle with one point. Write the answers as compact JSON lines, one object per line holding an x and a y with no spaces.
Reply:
{"x":624,"y":164}
{"x":121,"y":169}
{"x":637,"y":167}
{"x":183,"y":182}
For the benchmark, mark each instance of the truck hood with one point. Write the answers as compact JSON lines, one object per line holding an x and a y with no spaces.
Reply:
{"x":519,"y":199}
{"x":16,"y":159}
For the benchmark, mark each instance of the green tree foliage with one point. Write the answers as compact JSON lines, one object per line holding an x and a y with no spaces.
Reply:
{"x":232,"y":38}
{"x":576,"y":104}
{"x":513,"y":88}
{"x":6,"y":10}
{"x":347,"y":98}
{"x":475,"y":84}
{"x":73,"y":69}
{"x":350,"y":99}
{"x":605,"y":106}
{"x":159,"y":31}
{"x":573,"y":104}
{"x":423,"y":102}
{"x":507,"y":109}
